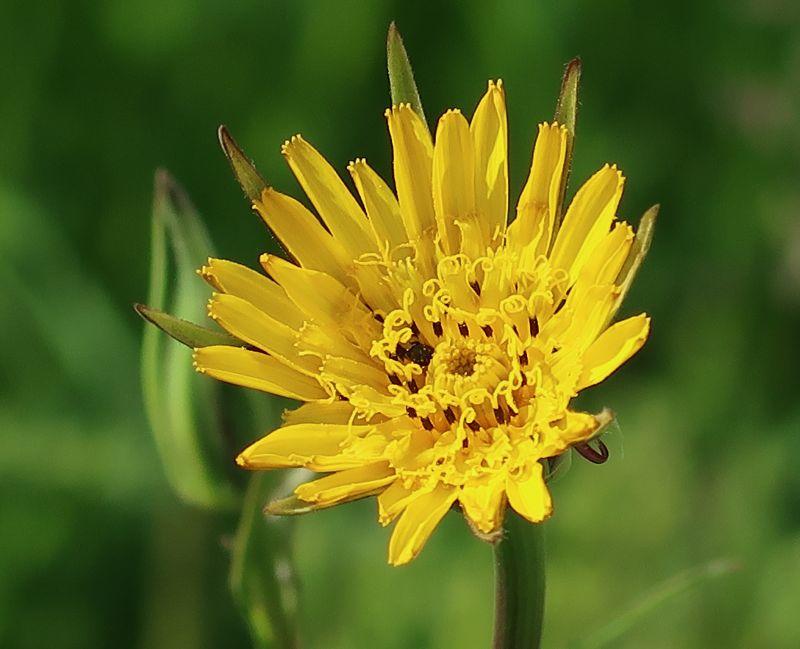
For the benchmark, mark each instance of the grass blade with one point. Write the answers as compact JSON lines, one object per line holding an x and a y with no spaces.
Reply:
{"x":684,"y":581}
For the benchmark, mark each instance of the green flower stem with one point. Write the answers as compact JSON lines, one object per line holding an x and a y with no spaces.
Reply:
{"x":519,"y":585}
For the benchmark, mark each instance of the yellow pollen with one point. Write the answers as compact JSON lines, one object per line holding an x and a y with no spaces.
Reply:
{"x":458,"y":360}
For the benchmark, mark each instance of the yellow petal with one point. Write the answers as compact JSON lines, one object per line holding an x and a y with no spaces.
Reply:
{"x":335,"y":204}
{"x":453,"y":177}
{"x":538,"y":203}
{"x":302,"y":234}
{"x":574,"y":427}
{"x":612,"y":348}
{"x":347,"y":485}
{"x":260,"y":291}
{"x":319,"y":447}
{"x":255,"y":327}
{"x":473,"y":235}
{"x":348,"y":374}
{"x":321,"y":412}
{"x":372,"y":400}
{"x":393,"y":500}
{"x":594,"y":294}
{"x":325,"y":300}
{"x":529,"y":495}
{"x":258,"y":371}
{"x":606,"y":260}
{"x":371,"y":282}
{"x":323,"y":341}
{"x":483,"y":504}
{"x":413,"y":162}
{"x":418,"y":522}
{"x":382,"y":207}
{"x":588,"y":220}
{"x":583,"y":316}
{"x":592,"y":316}
{"x":489,"y":130}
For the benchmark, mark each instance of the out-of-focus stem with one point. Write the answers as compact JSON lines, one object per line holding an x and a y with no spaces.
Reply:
{"x":519,"y":585}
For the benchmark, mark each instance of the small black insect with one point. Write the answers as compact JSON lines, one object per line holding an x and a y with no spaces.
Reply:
{"x":419,"y":353}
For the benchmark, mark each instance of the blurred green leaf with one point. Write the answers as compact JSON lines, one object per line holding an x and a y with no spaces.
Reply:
{"x":185,"y":416}
{"x":181,"y":406}
{"x":243,"y":168}
{"x":188,"y":333}
{"x":262,"y":577}
{"x":402,"y":86}
{"x":610,"y":634}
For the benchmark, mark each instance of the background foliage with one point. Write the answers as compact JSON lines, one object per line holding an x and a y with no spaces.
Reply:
{"x":698,"y":102}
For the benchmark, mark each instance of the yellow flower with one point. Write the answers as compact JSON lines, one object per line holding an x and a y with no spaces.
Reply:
{"x":435,"y":346}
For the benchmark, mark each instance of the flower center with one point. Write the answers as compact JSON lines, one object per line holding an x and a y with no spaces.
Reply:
{"x":458,"y":360}
{"x":466,"y":370}
{"x":466,"y":361}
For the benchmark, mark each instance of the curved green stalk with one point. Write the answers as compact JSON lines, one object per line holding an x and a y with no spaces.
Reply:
{"x":519,"y":585}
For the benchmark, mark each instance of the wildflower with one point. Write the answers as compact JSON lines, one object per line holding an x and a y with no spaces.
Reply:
{"x":436,"y":347}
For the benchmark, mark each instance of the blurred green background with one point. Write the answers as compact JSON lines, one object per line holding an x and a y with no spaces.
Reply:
{"x":698,"y":102}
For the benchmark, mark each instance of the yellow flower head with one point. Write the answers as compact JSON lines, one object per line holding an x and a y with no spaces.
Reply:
{"x":435,"y":346}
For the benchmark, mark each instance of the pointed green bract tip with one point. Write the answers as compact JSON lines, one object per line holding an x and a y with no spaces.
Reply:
{"x":567,"y":106}
{"x":647,"y":223}
{"x":641,"y":242}
{"x":188,"y":333}
{"x":566,"y":114}
{"x":245,"y":171}
{"x":402,"y":86}
{"x":290,"y":506}
{"x":638,"y":251}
